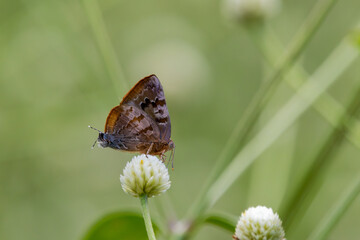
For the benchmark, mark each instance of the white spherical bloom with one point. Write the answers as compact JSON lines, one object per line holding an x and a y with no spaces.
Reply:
{"x":259,"y":223}
{"x":145,"y":175}
{"x":251,"y":10}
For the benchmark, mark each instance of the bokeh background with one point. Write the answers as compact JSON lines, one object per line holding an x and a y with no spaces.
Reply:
{"x":54,"y":83}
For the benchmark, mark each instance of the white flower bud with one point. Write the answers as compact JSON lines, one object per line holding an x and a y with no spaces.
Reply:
{"x":251,"y":10}
{"x":145,"y":175}
{"x":258,"y":223}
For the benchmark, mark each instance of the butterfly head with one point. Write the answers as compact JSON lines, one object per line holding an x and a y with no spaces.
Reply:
{"x":171,"y":145}
{"x":110,"y":140}
{"x":102,"y":139}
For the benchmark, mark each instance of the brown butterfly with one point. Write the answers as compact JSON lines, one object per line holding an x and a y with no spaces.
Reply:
{"x":141,"y":123}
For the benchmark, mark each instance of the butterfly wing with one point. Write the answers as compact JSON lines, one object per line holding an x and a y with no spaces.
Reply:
{"x":148,"y":96}
{"x":132,"y":127}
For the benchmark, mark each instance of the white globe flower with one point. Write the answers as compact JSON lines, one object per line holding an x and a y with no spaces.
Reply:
{"x":251,"y":10}
{"x":145,"y":175}
{"x":259,"y":223}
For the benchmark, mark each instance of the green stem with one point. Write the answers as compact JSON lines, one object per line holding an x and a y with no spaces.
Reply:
{"x":147,"y":219}
{"x":305,"y":192}
{"x":247,"y":122}
{"x":329,"y":221}
{"x":105,"y":46}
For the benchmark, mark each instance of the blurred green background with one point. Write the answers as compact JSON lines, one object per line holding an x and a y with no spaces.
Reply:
{"x":54,"y":83}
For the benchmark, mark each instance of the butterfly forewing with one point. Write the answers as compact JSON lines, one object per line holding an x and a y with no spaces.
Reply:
{"x":148,"y":96}
{"x":135,"y":129}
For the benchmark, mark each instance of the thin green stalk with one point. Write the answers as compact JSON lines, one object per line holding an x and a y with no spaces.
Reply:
{"x":328,"y":72}
{"x":331,"y":219}
{"x":223,"y":221}
{"x":147,"y":219}
{"x":301,"y":198}
{"x":105,"y":46}
{"x":247,"y":122}
{"x":326,"y":105}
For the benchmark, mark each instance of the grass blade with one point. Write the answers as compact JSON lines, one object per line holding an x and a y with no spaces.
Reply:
{"x":326,"y":105}
{"x":299,"y":201}
{"x":105,"y":46}
{"x":247,"y":122}
{"x":328,"y":72}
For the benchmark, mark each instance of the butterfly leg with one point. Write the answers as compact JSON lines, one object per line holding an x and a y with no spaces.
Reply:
{"x":149,"y":150}
{"x":171,"y":159}
{"x":122,"y":146}
{"x":163,"y":156}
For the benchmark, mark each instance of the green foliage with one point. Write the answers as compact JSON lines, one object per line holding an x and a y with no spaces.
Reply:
{"x":120,"y":225}
{"x":65,"y":64}
{"x":338,"y":210}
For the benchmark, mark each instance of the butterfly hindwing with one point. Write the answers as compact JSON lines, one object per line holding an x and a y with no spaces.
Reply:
{"x":148,"y":96}
{"x":135,"y":129}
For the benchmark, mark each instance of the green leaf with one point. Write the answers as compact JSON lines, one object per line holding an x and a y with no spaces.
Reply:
{"x":120,"y":225}
{"x":223,"y":221}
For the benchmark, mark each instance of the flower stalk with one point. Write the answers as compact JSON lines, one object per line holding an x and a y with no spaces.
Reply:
{"x":147,"y":218}
{"x":144,"y":177}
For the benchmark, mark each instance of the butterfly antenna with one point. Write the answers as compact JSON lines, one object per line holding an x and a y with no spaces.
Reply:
{"x":92,"y":147}
{"x":167,"y":164}
{"x":172,"y":156}
{"x":94,"y":129}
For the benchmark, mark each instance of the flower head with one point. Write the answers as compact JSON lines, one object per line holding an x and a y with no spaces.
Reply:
{"x":145,"y":175}
{"x":251,"y":10}
{"x":258,"y":223}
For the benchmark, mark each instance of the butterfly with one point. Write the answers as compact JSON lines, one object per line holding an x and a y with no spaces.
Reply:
{"x":141,"y":123}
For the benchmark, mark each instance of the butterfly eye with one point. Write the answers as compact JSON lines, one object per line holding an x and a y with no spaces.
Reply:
{"x":101,"y":136}
{"x":171,"y":144}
